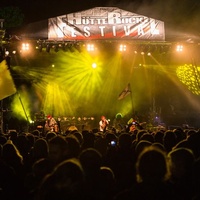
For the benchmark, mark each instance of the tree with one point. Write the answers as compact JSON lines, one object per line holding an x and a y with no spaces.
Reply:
{"x":13,"y":17}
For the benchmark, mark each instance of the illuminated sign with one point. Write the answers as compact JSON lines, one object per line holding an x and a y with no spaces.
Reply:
{"x":105,"y":23}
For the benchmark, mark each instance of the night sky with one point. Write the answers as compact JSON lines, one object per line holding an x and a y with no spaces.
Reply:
{"x":179,"y":14}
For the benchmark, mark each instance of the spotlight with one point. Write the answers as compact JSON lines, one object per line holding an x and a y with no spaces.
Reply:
{"x":122,"y":47}
{"x":94,"y":65}
{"x":90,"y":47}
{"x":25,"y":47}
{"x":179,"y":48}
{"x":6,"y":53}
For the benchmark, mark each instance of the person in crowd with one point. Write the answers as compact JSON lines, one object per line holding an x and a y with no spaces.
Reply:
{"x":58,"y":149}
{"x":91,"y":161}
{"x":169,"y":140}
{"x":12,"y":157}
{"x":9,"y":182}
{"x":134,"y":124}
{"x":107,"y":182}
{"x":39,"y":150}
{"x":119,"y":123}
{"x":66,"y":181}
{"x":181,"y":163}
{"x":74,"y":146}
{"x":125,"y":161}
{"x":128,"y":165}
{"x":40,"y":168}
{"x":152,"y":176}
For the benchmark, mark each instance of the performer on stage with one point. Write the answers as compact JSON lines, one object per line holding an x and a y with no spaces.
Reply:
{"x":133,"y":124}
{"x":51,"y":124}
{"x":118,"y":123}
{"x":103,"y":124}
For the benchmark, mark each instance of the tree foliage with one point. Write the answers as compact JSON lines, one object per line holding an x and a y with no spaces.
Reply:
{"x":13,"y":16}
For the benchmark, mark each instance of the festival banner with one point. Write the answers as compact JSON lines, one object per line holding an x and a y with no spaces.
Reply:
{"x":105,"y":23}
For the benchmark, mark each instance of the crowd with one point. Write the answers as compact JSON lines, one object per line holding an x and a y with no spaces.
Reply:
{"x":95,"y":165}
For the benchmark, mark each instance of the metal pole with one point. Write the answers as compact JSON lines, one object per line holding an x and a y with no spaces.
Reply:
{"x":2,"y":131}
{"x":24,"y":110}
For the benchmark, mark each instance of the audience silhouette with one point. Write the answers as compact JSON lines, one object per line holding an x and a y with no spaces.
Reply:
{"x":87,"y":165}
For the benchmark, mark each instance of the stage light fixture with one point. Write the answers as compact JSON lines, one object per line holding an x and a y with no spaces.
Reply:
{"x":122,"y":47}
{"x":94,"y":65}
{"x":90,"y":47}
{"x":179,"y":48}
{"x":6,"y":53}
{"x":25,"y":47}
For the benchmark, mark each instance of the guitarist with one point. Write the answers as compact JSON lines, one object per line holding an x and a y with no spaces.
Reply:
{"x":51,"y":124}
{"x":103,"y":124}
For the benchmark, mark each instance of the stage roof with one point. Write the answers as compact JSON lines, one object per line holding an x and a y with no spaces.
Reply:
{"x":104,"y":24}
{"x":99,"y":23}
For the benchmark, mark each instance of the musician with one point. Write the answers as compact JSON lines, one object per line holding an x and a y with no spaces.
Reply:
{"x":133,"y":124}
{"x":118,"y":123}
{"x":103,"y":124}
{"x":51,"y":124}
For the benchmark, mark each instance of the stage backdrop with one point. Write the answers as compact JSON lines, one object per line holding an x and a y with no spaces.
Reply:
{"x":105,"y":23}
